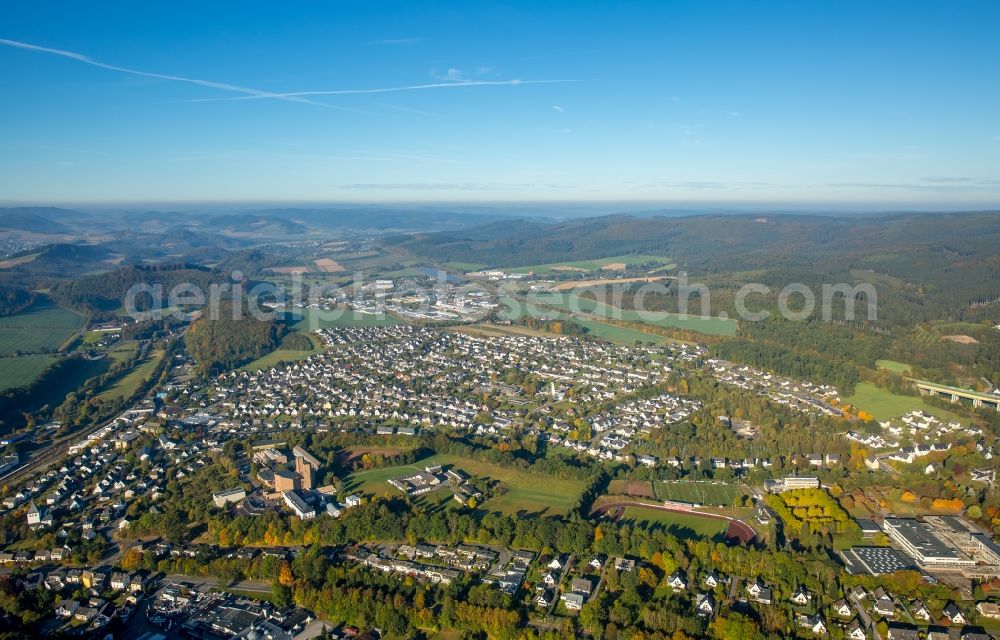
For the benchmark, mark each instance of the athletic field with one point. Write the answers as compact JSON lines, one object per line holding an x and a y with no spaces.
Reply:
{"x":706,"y":493}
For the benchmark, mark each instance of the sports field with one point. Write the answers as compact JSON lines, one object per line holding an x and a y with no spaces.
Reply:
{"x":44,"y":327}
{"x":706,"y":493}
{"x":527,"y":493}
{"x":612,"y":263}
{"x":20,"y":371}
{"x":682,"y":525}
{"x":342,"y":317}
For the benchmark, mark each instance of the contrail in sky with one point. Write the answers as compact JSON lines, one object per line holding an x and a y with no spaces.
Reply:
{"x":412,"y":87}
{"x":258,"y":94}
{"x":79,"y":57}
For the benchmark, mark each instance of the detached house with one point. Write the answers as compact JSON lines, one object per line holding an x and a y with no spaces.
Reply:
{"x":677,"y":581}
{"x":842,"y":609}
{"x":705,"y":605}
{"x":920,"y":611}
{"x":801,"y":596}
{"x":953,"y":613}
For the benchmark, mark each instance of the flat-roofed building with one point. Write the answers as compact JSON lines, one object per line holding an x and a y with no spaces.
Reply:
{"x":986,"y":548}
{"x":790,"y":483}
{"x":297,"y":504}
{"x":800,"y":482}
{"x":226,"y":496}
{"x":918,"y":542}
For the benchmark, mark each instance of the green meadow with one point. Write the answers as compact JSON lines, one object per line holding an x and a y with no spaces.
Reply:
{"x":526,"y":492}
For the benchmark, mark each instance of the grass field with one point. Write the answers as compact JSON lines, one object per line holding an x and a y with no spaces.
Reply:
{"x":125,"y":386}
{"x":93,"y":337}
{"x":44,"y":327}
{"x":489,"y":330}
{"x":465,"y":266}
{"x":706,"y":493}
{"x":592,"y":265}
{"x":280,"y":355}
{"x":641,"y":488}
{"x":78,"y":371}
{"x":622,"y":335}
{"x":342,"y":317}
{"x":526,"y":492}
{"x":708,"y":325}
{"x":884,"y":404}
{"x":512,"y":310}
{"x":682,"y":525}
{"x":20,"y":371}
{"x":892,"y":365}
{"x":123,"y":351}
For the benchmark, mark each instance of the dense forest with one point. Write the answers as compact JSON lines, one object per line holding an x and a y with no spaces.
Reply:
{"x":924,"y":266}
{"x":101,"y":295}
{"x":227,"y":342}
{"x":15,"y":300}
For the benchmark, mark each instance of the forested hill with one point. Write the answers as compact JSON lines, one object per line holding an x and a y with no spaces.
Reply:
{"x":14,"y":300}
{"x":227,"y":342}
{"x":104,"y":293}
{"x":947,"y":260}
{"x":747,"y":241}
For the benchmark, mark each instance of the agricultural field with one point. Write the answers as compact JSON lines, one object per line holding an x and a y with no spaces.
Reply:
{"x":611,"y":264}
{"x":44,"y":327}
{"x":682,"y":525}
{"x":342,"y":317}
{"x":707,"y":325}
{"x":20,"y":371}
{"x":526,"y":492}
{"x":883,"y":404}
{"x":706,"y":493}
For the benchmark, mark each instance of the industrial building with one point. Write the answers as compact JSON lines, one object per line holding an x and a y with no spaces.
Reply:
{"x":917,"y":540}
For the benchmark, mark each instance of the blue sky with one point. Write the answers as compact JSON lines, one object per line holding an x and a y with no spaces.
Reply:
{"x":672,"y":102}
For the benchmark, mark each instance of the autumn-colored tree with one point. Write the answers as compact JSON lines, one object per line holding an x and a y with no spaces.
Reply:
{"x":285,"y":575}
{"x":132,"y":559}
{"x":735,"y":627}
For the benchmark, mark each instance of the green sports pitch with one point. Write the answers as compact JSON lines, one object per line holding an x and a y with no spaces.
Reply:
{"x":706,"y":493}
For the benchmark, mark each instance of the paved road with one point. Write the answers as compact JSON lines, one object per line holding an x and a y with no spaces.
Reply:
{"x":562,"y":576}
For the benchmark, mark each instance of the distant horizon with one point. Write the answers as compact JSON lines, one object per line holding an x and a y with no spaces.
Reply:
{"x":582,"y":207}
